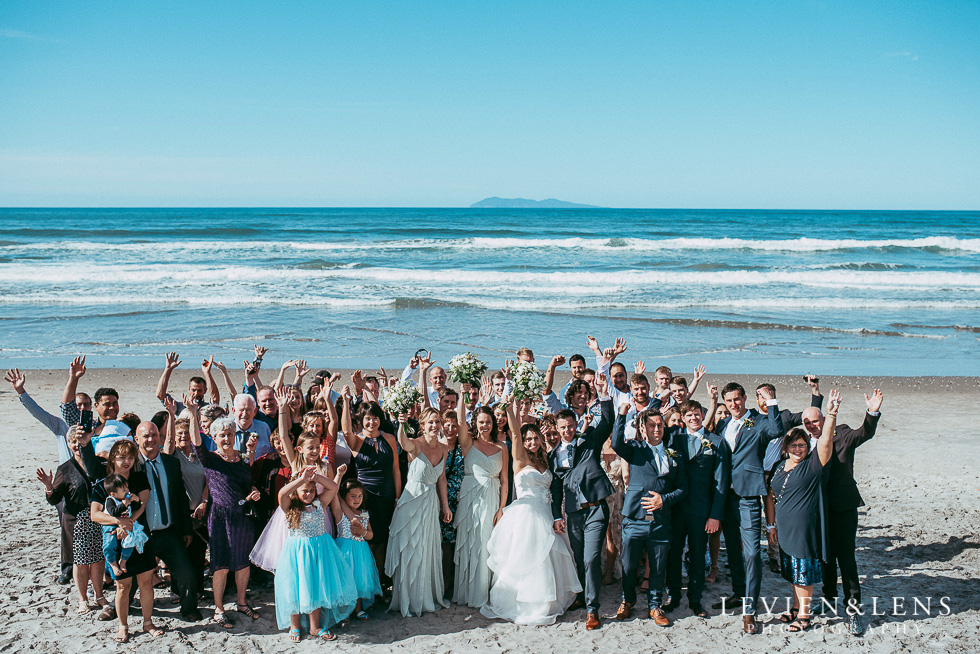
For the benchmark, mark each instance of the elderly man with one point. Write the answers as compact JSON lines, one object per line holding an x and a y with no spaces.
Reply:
{"x":436,"y":375}
{"x":168,"y":515}
{"x":245,"y":409}
{"x":843,"y":500}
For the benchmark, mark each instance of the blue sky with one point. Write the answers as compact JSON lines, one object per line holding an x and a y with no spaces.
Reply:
{"x":781,"y":104}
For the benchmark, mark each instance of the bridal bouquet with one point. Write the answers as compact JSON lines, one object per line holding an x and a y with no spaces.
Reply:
{"x":400,"y":397}
{"x":528,"y":381}
{"x":466,"y":369}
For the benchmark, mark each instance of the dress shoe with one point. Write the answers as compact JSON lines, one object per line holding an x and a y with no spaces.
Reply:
{"x":191,"y":616}
{"x":698,"y":610}
{"x":65,"y":577}
{"x":671,"y":605}
{"x":625,"y":611}
{"x":591,"y":621}
{"x":659,"y":618}
{"x":579,"y":603}
{"x":749,"y":625}
{"x":728,"y":603}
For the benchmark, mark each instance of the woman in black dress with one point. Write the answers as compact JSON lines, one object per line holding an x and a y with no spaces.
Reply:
{"x":797,"y":488}
{"x":71,"y":483}
{"x":375,"y":455}
{"x":141,"y":565}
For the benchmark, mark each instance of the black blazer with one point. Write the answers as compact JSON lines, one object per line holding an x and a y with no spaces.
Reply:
{"x":708,"y":474}
{"x":842,"y":490}
{"x":586,"y":481}
{"x":790,"y":419}
{"x":177,"y":502}
{"x":72,"y":485}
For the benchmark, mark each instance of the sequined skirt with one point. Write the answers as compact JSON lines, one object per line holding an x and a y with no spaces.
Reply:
{"x":801,"y":572}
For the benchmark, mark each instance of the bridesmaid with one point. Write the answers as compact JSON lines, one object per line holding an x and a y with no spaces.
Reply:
{"x":482,"y":498}
{"x":375,"y":455}
{"x":454,"y":478}
{"x":614,"y":467}
{"x":414,"y":558}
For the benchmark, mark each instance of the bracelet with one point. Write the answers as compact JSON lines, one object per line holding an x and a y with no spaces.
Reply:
{"x":770,"y":527}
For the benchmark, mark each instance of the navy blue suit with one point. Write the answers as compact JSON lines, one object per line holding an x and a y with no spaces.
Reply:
{"x":582,"y":489}
{"x":743,"y":509}
{"x":708,"y":468}
{"x":643,"y":530}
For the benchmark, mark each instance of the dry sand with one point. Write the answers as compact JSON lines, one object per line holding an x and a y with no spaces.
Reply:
{"x":918,"y":537}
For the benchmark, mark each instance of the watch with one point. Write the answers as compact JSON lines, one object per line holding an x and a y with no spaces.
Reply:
{"x":770,"y":527}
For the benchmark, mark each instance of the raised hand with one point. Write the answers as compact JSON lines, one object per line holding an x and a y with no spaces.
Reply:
{"x":252,"y":443}
{"x":601,"y":385}
{"x":334,"y":378}
{"x":699,"y":373}
{"x":191,"y":403}
{"x":250,"y":368}
{"x":345,"y":393}
{"x":639,"y":367}
{"x":357,"y":378}
{"x":764,"y":392}
{"x":874,"y":402}
{"x":508,"y":364}
{"x":382,"y":375}
{"x":301,"y":368}
{"x":713,"y":392}
{"x":170,"y":404}
{"x":289,"y":364}
{"x":45,"y":478}
{"x":814,"y":383}
{"x":834,"y":399}
{"x":206,"y":365}
{"x":557,"y":360}
{"x":593,"y":345}
{"x":259,"y":351}
{"x":341,"y":470}
{"x":282,"y":397}
{"x":76,"y":369}
{"x":309,"y":472}
{"x":620,"y":346}
{"x":15,"y":379}
{"x":173,"y":360}
{"x":220,"y":366}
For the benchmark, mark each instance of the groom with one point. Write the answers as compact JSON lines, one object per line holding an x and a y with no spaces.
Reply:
{"x":581,"y":486}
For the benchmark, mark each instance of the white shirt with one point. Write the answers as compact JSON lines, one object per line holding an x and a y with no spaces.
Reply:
{"x":630,"y":431}
{"x":735,"y":424}
{"x":564,"y":458}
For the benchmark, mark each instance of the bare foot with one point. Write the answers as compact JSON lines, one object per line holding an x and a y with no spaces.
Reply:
{"x":122,"y":564}
{"x":152,"y":629}
{"x":712,"y":575}
{"x":122,"y":634}
{"x":117,"y":570}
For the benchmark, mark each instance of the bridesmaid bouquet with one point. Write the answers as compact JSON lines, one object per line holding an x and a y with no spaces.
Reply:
{"x":466,"y":369}
{"x":528,"y":381}
{"x":401,"y":397}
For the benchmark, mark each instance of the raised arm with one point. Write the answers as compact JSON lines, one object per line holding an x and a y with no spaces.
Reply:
{"x":277,"y":384}
{"x":194,"y":429}
{"x":173,"y":360}
{"x":285,"y":424}
{"x":170,"y":441}
{"x":76,"y":370}
{"x":354,"y":441}
{"x":54,"y":424}
{"x":619,"y":435}
{"x":464,"y":437}
{"x":517,"y":450}
{"x":698,"y":376}
{"x":773,"y":426}
{"x":549,"y":375}
{"x":229,"y":384}
{"x":409,"y":445}
{"x":825,"y":445}
{"x":213,"y":393}
{"x":307,"y":475}
{"x":424,"y":364}
{"x":709,"y":420}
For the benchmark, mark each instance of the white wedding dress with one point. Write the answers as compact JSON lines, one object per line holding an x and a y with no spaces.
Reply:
{"x":534,"y":579}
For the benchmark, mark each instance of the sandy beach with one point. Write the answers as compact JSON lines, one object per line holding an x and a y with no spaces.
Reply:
{"x":918,"y":538}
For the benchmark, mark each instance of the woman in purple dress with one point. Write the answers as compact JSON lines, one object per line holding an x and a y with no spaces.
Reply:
{"x":232,"y":534}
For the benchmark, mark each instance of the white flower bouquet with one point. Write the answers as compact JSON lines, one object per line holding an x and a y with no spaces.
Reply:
{"x":400,"y":397}
{"x":466,"y":369}
{"x":528,"y":381}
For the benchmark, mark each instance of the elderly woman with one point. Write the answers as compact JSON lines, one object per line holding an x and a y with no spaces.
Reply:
{"x":231,"y":532}
{"x":797,"y":489}
{"x":178,"y":443}
{"x":141,"y":565}
{"x":72,"y":483}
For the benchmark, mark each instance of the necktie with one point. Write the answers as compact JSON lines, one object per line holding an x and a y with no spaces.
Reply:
{"x":161,"y":500}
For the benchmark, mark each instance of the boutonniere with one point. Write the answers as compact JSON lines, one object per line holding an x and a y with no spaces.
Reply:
{"x":749,"y":422}
{"x":671,"y":453}
{"x":706,"y":444}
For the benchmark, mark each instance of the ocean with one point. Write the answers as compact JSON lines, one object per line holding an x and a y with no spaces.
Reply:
{"x":781,"y":292}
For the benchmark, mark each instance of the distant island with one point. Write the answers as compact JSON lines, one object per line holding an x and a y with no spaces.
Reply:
{"x":521,"y":203}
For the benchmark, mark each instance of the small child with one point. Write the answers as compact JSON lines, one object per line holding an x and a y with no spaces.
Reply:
{"x":120,"y":503}
{"x":311,"y":576}
{"x":354,"y":548}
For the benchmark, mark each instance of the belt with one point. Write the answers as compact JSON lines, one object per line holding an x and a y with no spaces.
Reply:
{"x":588,"y":505}
{"x":649,"y":517}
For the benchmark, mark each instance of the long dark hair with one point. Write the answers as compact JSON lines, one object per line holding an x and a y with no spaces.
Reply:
{"x":494,"y":435}
{"x":539,"y":458}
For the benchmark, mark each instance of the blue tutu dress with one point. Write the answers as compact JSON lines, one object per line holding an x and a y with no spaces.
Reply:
{"x":311,"y":574}
{"x":357,"y":554}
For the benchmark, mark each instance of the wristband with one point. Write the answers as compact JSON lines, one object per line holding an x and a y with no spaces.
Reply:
{"x":770,"y":527}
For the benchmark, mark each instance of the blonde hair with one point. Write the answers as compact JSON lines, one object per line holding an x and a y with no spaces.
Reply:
{"x":294,"y":514}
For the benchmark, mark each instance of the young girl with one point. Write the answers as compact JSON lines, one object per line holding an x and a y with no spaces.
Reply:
{"x":306,"y":452}
{"x":312,"y":576}
{"x":353,"y":532}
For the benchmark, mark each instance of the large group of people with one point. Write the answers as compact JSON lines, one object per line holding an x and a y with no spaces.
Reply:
{"x":521,"y":508}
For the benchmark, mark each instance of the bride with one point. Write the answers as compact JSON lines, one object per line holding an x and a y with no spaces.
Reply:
{"x":534,"y":579}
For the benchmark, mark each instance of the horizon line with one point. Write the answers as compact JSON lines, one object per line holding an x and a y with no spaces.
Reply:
{"x":367,"y":207}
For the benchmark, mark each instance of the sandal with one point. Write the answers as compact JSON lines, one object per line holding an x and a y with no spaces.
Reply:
{"x":800,"y":624}
{"x":294,"y":635}
{"x":153,"y":630}
{"x":789,"y":617}
{"x":221,"y":620}
{"x":326,"y":635}
{"x":122,"y":634}
{"x":107,"y":613}
{"x":83,"y":607}
{"x":245,"y":609}
{"x":362,"y":616}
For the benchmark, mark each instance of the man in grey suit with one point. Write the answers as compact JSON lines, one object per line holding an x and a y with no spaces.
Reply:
{"x":581,"y":486}
{"x":747,"y":433}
